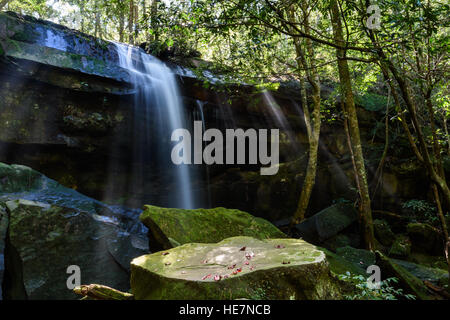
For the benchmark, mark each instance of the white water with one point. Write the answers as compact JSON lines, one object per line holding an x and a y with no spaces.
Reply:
{"x":156,"y":98}
{"x":52,"y":40}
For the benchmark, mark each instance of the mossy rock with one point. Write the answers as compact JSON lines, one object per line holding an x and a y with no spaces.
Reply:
{"x":235,"y":268}
{"x":383,"y":232}
{"x":339,"y":265}
{"x":425,"y":238}
{"x":358,"y":257}
{"x":44,"y":240}
{"x":401,"y":248}
{"x":407,"y":281}
{"x":17,"y":178}
{"x":168,"y":226}
{"x":437,"y":276}
{"x":327,"y":223}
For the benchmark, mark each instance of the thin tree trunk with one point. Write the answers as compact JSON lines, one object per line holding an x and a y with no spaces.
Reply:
{"x":82,"y":13}
{"x":377,"y":179}
{"x":444,"y":227}
{"x":153,"y":17}
{"x":122,"y":26}
{"x":446,"y":134}
{"x":131,"y":23}
{"x":97,"y":31}
{"x":312,"y":125}
{"x":3,"y":3}
{"x":347,"y":95}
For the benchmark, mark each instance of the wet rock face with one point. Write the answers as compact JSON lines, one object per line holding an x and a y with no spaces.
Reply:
{"x":235,"y":268}
{"x":49,"y":239}
{"x":51,"y":227}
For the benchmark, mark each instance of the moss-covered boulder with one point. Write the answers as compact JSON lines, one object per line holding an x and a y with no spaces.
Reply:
{"x":17,"y":178}
{"x":401,"y":248}
{"x":44,"y":240}
{"x":358,"y":257}
{"x":339,"y":265}
{"x":170,"y":227}
{"x":327,"y":223}
{"x":425,"y":238}
{"x":383,"y":232}
{"x":235,"y":268}
{"x":406,"y":280}
{"x":434,"y":275}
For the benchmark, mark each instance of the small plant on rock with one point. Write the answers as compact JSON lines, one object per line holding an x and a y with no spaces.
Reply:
{"x":364,"y":291}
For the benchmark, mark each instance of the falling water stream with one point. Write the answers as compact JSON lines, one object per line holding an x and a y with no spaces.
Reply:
{"x":158,"y":110}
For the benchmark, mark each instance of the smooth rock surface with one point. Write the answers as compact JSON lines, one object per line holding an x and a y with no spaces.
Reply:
{"x":235,"y":268}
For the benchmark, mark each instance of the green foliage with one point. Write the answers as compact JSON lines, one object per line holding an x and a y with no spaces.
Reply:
{"x":386,"y":291}
{"x":372,"y":101}
{"x":423,"y":210}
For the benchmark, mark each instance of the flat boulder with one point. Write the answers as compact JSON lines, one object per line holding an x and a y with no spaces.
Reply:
{"x":169,"y":227}
{"x":235,"y":268}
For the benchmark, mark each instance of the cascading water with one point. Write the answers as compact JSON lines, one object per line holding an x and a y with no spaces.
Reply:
{"x":158,"y":110}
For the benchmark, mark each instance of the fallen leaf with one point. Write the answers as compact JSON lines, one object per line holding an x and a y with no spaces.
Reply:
{"x":217,"y":277}
{"x":165,"y":253}
{"x":249,"y":255}
{"x":232,"y":267}
{"x":242,"y":249}
{"x":239,"y":269}
{"x":206,"y":277}
{"x":246,"y":263}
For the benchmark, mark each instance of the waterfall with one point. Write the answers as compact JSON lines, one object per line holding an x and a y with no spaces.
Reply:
{"x":158,"y":110}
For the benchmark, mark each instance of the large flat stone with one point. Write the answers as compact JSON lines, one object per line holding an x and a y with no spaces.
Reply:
{"x":235,"y":268}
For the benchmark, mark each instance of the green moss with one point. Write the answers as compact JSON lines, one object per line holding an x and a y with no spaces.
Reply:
{"x":207,"y":225}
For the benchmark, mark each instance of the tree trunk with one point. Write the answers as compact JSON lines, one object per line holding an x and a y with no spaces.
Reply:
{"x":131,"y":23}
{"x":3,"y":3}
{"x":82,"y":13}
{"x":312,"y":125}
{"x":122,"y":27}
{"x":153,"y":17}
{"x":97,"y":31}
{"x":350,"y":109}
